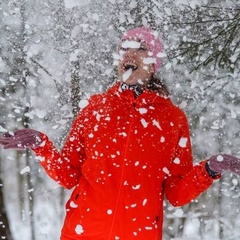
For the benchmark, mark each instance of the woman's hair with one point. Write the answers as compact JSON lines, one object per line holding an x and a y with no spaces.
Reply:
{"x":158,"y":86}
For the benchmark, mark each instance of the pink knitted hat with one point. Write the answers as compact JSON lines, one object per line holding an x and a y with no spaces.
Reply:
{"x":150,"y":37}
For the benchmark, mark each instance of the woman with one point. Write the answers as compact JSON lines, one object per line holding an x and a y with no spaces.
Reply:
{"x":126,"y":149}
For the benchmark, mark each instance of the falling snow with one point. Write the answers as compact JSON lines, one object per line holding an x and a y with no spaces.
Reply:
{"x":130,"y":44}
{"x":27,"y":169}
{"x":127,"y":74}
{"x":109,"y":211}
{"x":45,"y":46}
{"x":176,"y":161}
{"x":144,"y":123}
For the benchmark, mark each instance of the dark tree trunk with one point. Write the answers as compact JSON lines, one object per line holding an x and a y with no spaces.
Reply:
{"x":5,"y":232}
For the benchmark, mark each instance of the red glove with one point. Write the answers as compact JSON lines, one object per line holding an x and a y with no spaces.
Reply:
{"x":224,"y":162}
{"x":21,"y":139}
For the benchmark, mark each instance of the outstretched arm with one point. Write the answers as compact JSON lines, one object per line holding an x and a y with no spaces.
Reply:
{"x":181,"y":189}
{"x":65,"y":166}
{"x":185,"y":182}
{"x":184,"y":188}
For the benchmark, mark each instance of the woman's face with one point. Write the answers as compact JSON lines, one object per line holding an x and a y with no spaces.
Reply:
{"x":136,"y":65}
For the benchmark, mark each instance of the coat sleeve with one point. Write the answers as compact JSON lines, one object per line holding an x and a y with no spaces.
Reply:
{"x":64,"y":167}
{"x":185,"y":181}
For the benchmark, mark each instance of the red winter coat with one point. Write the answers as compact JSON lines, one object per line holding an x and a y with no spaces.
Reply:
{"x":122,"y":156}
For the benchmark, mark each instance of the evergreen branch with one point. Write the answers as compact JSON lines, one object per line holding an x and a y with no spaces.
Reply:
{"x":43,"y":68}
{"x":59,"y":87}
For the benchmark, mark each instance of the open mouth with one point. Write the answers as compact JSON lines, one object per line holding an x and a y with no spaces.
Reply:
{"x":128,"y":66}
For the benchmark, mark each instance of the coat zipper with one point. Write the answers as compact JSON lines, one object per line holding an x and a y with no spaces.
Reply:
{"x":121,"y":178}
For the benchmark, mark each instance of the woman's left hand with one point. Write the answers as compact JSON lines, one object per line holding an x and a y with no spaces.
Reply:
{"x":224,"y":162}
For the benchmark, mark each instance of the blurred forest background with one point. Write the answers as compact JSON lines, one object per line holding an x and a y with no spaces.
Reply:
{"x":53,"y":53}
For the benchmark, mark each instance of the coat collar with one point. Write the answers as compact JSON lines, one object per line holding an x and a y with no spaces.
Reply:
{"x":147,"y":97}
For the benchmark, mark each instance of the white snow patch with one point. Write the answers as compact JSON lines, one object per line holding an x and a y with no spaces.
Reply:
{"x":117,"y":56}
{"x":71,"y":139}
{"x":73,"y":204}
{"x":127,"y":74}
{"x":183,"y":142}
{"x":233,"y":114}
{"x":12,"y":79}
{"x":108,"y":71}
{"x":157,"y":124}
{"x":149,"y":60}
{"x":183,"y":104}
{"x":83,"y":103}
{"x":176,"y":160}
{"x":2,"y":99}
{"x":123,"y":134}
{"x":140,"y":81}
{"x":2,"y":129}
{"x":142,"y":110}
{"x":2,"y":82}
{"x":109,"y":211}
{"x":98,"y":116}
{"x":55,"y":127}
{"x":131,"y":44}
{"x":95,"y":17}
{"x":90,"y":135}
{"x":148,"y":228}
{"x":25,"y":170}
{"x":115,"y":62}
{"x":29,"y":114}
{"x":144,"y":123}
{"x":136,"y":187}
{"x":178,"y":213}
{"x":162,"y":139}
{"x":40,"y":158}
{"x":168,"y":65}
{"x":150,"y":53}
{"x":235,"y":182}
{"x":43,"y":143}
{"x":220,"y":158}
{"x":161,"y":55}
{"x":144,"y":202}
{"x":75,"y":3}
{"x":40,"y":113}
{"x":201,"y":120}
{"x":79,"y":229}
{"x":166,"y":170}
{"x":168,"y":11}
{"x":136,"y":163}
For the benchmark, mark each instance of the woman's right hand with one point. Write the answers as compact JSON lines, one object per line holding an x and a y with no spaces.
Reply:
{"x":21,"y":139}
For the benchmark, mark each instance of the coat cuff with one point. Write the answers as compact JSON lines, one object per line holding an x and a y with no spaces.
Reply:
{"x":212,"y":174}
{"x":42,"y":147}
